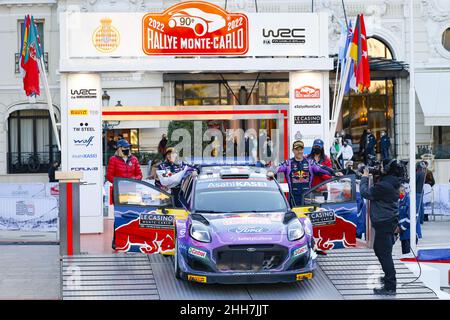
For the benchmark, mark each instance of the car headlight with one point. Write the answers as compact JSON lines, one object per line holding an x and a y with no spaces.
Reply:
{"x":295,"y":230}
{"x":200,"y":232}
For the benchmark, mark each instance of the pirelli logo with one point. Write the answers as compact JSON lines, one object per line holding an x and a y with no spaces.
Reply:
{"x":194,"y":278}
{"x":302,"y":276}
{"x":79,"y":112}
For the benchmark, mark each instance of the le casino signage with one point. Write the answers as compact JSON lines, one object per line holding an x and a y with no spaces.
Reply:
{"x":195,"y":28}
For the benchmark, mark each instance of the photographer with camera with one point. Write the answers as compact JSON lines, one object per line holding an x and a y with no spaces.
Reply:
{"x":384,"y":196}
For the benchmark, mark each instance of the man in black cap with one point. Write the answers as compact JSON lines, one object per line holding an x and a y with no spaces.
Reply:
{"x":299,"y":172}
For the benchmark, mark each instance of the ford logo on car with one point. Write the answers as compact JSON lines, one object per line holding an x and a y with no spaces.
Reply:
{"x":247,"y":230}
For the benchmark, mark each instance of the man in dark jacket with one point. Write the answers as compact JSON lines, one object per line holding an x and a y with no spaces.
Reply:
{"x":384,"y":197}
{"x":52,"y":170}
{"x":385,"y":144}
{"x":371,"y":142}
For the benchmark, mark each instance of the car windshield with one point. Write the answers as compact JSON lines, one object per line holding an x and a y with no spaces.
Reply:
{"x":238,"y":200}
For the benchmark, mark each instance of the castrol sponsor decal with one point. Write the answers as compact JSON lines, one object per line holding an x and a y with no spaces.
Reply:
{"x":195,"y":28}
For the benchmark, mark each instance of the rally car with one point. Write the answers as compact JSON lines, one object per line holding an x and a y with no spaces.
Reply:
{"x":235,"y":226}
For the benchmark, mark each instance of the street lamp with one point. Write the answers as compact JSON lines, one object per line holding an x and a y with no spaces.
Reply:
{"x":107,"y":125}
{"x":105,"y":99}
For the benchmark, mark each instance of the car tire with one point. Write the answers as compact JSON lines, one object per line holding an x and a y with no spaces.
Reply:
{"x":176,"y":264}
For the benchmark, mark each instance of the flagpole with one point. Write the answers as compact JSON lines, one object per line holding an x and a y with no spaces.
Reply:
{"x":335,"y":88}
{"x":49,"y":101}
{"x":412,"y":133}
{"x":340,"y":99}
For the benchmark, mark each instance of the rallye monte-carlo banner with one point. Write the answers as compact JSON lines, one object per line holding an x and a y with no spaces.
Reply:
{"x":193,"y":28}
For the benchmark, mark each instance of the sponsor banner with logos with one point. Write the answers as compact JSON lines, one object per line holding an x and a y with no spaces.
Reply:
{"x":195,"y":28}
{"x":84,"y":142}
{"x":308,"y":119}
{"x":29,"y":207}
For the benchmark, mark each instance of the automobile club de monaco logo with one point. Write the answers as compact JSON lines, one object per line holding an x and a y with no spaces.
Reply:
{"x":195,"y":28}
{"x":106,"y":38}
{"x":307,"y":92}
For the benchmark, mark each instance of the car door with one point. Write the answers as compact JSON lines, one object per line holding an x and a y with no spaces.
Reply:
{"x":144,"y":217}
{"x":332,"y":209}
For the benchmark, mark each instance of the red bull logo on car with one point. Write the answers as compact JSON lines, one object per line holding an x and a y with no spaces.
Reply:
{"x":341,"y":234}
{"x":131,"y":237}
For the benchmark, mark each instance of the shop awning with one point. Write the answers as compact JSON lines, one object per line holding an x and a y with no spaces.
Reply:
{"x":432,"y":89}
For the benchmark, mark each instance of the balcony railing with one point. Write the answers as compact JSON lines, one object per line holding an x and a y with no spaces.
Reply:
{"x":31,"y":162}
{"x":17,"y":59}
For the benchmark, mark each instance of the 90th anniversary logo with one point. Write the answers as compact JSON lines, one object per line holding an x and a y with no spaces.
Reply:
{"x":195,"y":28}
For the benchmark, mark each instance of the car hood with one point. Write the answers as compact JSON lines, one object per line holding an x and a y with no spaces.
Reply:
{"x":247,"y":227}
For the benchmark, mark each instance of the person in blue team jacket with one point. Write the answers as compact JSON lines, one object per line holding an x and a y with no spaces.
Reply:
{"x":404,"y":222}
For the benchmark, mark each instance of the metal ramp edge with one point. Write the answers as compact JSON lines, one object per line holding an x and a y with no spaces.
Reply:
{"x":355,"y":272}
{"x":342,"y":274}
{"x":151,"y":277}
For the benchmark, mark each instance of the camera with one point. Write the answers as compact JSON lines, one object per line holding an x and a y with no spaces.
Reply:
{"x":373,"y":165}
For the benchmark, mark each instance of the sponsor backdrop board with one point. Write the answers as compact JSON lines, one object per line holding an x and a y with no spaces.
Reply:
{"x":308,"y":119}
{"x":29,"y":207}
{"x":195,"y":28}
{"x":84,"y":145}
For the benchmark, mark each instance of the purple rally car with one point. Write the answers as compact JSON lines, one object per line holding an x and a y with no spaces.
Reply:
{"x":240,"y":230}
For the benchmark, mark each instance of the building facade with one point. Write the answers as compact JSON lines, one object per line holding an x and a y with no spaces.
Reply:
{"x":27,"y":144}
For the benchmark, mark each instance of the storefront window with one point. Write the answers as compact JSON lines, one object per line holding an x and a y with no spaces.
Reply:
{"x":373,"y":109}
{"x":446,"y":39}
{"x":441,"y":139}
{"x":31,"y":146}
{"x":216,"y":93}
{"x":378,"y":49}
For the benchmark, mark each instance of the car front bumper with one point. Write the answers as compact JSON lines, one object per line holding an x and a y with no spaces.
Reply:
{"x":249,"y":277}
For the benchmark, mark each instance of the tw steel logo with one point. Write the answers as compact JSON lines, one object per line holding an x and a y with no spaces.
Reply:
{"x":284,"y":35}
{"x":307,"y":92}
{"x":83,"y":94}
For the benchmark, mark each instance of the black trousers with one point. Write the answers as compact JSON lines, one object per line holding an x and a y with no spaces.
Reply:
{"x":383,"y":243}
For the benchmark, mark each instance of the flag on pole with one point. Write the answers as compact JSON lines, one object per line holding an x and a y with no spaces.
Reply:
{"x":363,"y":69}
{"x":342,"y":41}
{"x":30,"y":56}
{"x":360,"y":57}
